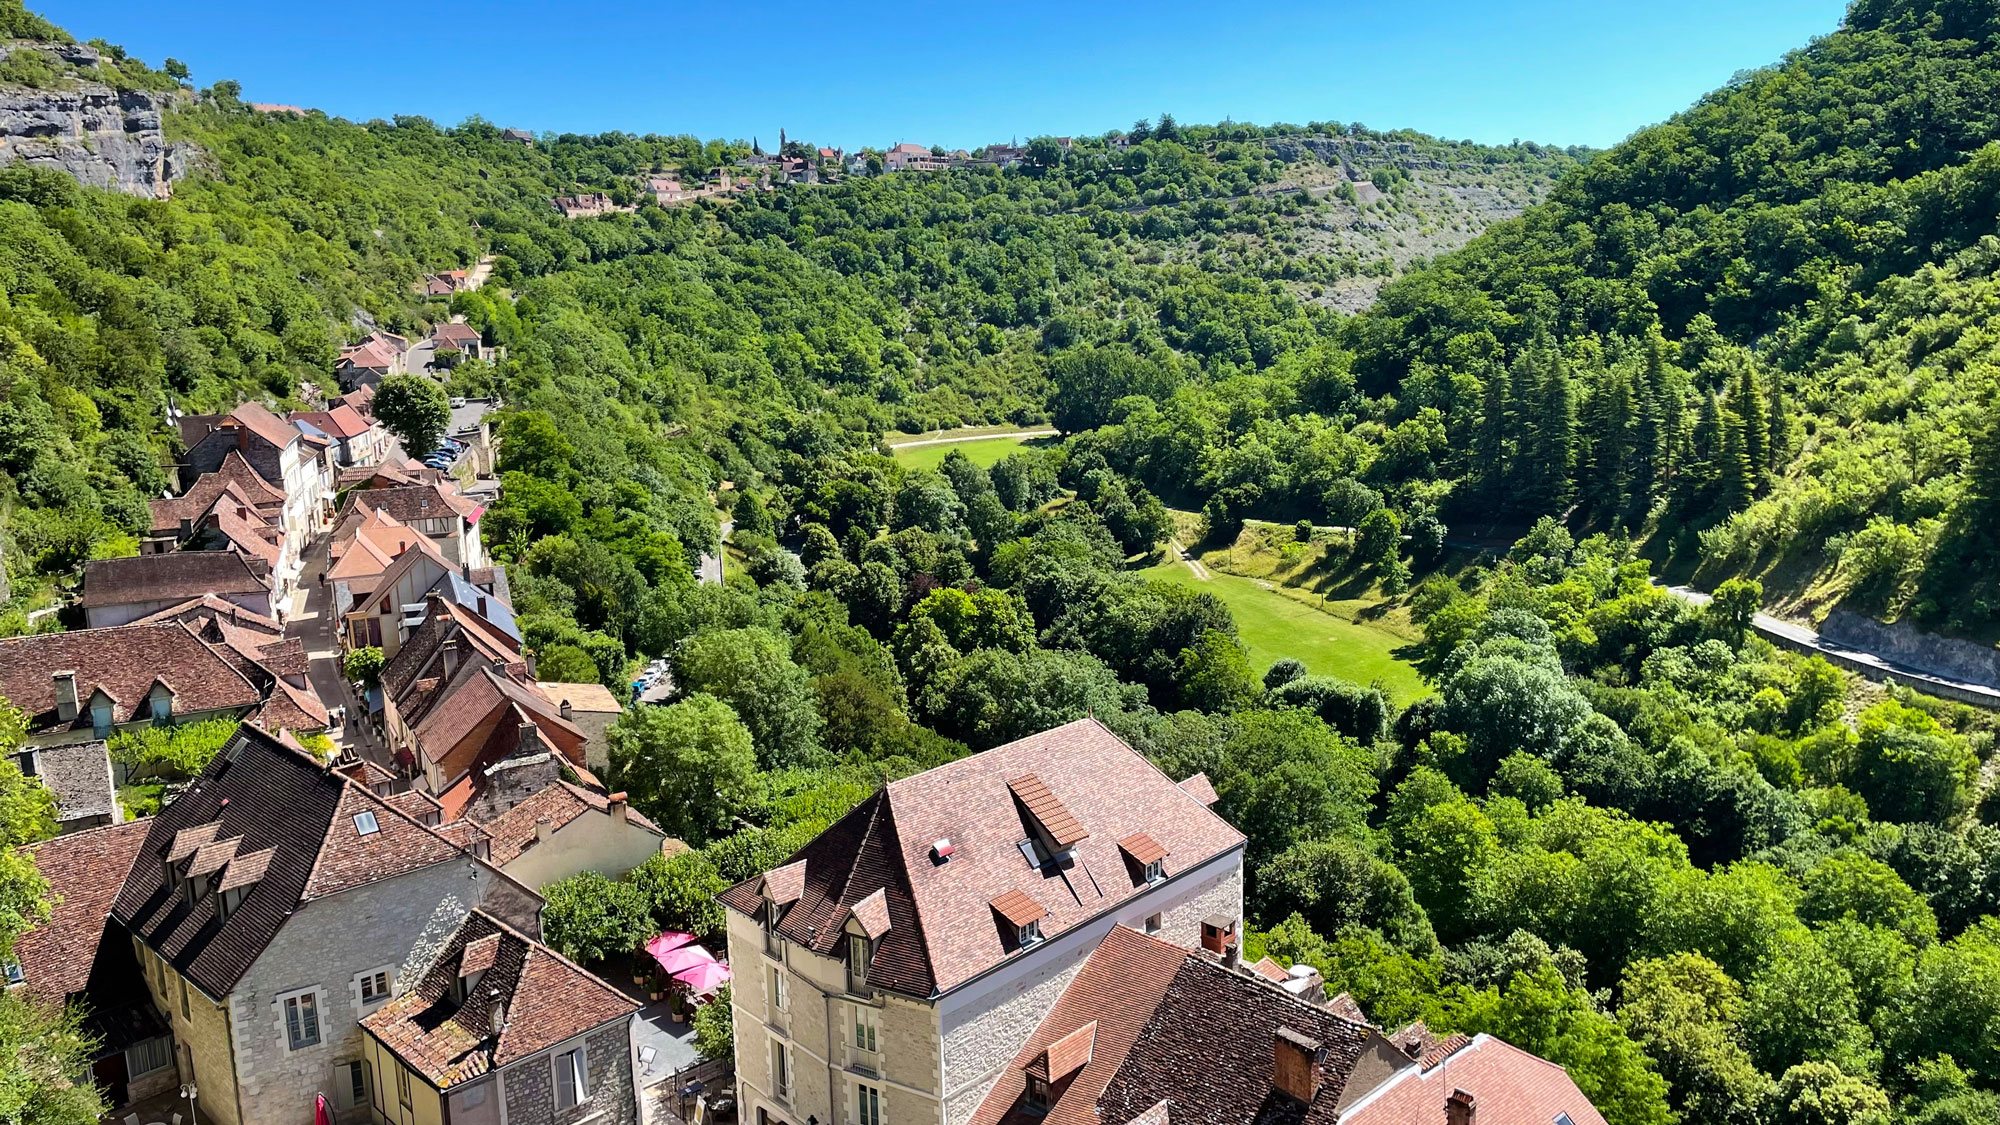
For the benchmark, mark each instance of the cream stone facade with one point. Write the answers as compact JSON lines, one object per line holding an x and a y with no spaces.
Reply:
{"x":935,"y":1057}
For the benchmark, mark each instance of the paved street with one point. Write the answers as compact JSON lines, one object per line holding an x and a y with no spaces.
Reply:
{"x":314,"y":625}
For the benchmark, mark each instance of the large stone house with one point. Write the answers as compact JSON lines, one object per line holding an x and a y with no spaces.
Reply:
{"x":356,"y":441}
{"x":396,"y":601}
{"x":276,"y":904}
{"x":895,"y":967}
{"x":442,"y":513}
{"x":83,"y":685}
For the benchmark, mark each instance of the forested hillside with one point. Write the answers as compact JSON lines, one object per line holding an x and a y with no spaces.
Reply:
{"x":1720,"y":883}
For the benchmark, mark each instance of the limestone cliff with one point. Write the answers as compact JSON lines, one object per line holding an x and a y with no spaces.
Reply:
{"x":103,"y":136}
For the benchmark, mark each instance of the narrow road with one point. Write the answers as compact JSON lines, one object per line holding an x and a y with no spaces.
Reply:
{"x":1871,"y":665}
{"x":709,"y":568}
{"x":1194,"y":564}
{"x":954,"y":440}
{"x":314,"y":625}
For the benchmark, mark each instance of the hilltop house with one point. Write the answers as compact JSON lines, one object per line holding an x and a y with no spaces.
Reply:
{"x":456,"y":335}
{"x":583,"y":205}
{"x":906,"y":157}
{"x":518,"y":136}
{"x":943,"y":915}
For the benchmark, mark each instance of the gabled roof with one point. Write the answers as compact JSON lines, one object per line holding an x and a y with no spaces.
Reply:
{"x":542,"y":998}
{"x":172,"y":576}
{"x":1508,"y":1083}
{"x":260,"y":795}
{"x":85,"y":871}
{"x":369,"y":356}
{"x":477,"y":721}
{"x":943,"y":930}
{"x":249,"y":489}
{"x":516,"y":830}
{"x":342,"y":421}
{"x":124,"y":663}
{"x":456,"y":332}
{"x":252,"y":415}
{"x":79,"y":774}
{"x":410,"y":503}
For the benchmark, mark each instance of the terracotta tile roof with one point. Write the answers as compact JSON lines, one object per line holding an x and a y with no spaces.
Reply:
{"x":942,"y":932}
{"x":478,"y":955}
{"x":1346,"y":1007}
{"x":234,"y":478}
{"x":415,"y":804}
{"x":580,"y":697}
{"x":1271,"y":971}
{"x":872,"y":913}
{"x":173,"y":576}
{"x":1143,"y":848}
{"x":515,"y":831}
{"x":784,"y":885}
{"x":252,"y":416}
{"x":370,"y":356}
{"x":410,"y":503}
{"x":291,"y":708}
{"x":455,"y":332}
{"x":1115,"y":991}
{"x":1200,"y":789}
{"x":1208,"y":1046}
{"x":343,"y":421}
{"x":477,"y":719}
{"x":463,"y":834}
{"x":1057,"y":821}
{"x":543,"y":999}
{"x":1018,"y":908}
{"x":208,"y":607}
{"x":1509,"y":1085}
{"x":1071,"y":1053}
{"x":124,"y":663}
{"x":278,"y":809}
{"x":84,"y":872}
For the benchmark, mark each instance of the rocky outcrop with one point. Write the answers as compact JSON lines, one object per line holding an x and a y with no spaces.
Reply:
{"x":101,"y":136}
{"x":1905,"y":644}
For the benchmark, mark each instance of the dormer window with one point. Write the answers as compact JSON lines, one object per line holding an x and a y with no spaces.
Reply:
{"x":1029,"y":933}
{"x":1036,"y":1098}
{"x":1156,"y":871}
{"x":859,"y":950}
{"x":228,"y":902}
{"x":771,"y":943}
{"x":161,"y":699}
{"x":100,"y":715}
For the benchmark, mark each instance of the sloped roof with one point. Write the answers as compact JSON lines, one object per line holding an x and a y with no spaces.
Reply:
{"x":262,"y":795}
{"x":1207,"y":1050}
{"x":85,"y":871}
{"x":79,"y":774}
{"x":455,"y":332}
{"x":1508,"y":1083}
{"x":515,"y":831}
{"x":124,"y":662}
{"x":545,"y":999}
{"x":171,"y":576}
{"x":250,"y":488}
{"x":580,"y":697}
{"x":342,"y":421}
{"x":410,"y":503}
{"x":942,"y":928}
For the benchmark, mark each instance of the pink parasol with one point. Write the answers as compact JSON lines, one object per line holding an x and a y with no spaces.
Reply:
{"x":705,"y":977}
{"x":686,"y":957}
{"x":672,"y":939}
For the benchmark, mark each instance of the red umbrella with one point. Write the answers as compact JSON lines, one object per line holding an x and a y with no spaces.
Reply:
{"x":672,"y":939}
{"x":686,"y":957}
{"x":321,"y":1115}
{"x":705,"y":977}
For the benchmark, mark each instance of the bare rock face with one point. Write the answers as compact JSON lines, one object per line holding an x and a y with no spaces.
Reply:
{"x":103,"y":137}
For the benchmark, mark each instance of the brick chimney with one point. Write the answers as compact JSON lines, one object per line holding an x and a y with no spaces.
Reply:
{"x":65,"y":695}
{"x":1295,"y":1064}
{"x":617,"y":807}
{"x":1460,"y":1108}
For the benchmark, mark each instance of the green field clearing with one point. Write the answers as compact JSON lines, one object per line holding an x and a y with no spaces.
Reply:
{"x":984,"y":452}
{"x":1274,"y":624}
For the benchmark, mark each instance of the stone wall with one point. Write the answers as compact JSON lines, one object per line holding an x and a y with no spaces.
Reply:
{"x":1904,"y":644}
{"x":531,"y":1092}
{"x":103,"y":138}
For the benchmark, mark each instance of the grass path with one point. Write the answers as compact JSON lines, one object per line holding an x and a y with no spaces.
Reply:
{"x":984,"y":448}
{"x":1273,"y":625}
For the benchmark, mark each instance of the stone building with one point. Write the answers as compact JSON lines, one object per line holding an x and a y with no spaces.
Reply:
{"x":273,"y":906}
{"x":894,"y":968}
{"x":501,"y":1029}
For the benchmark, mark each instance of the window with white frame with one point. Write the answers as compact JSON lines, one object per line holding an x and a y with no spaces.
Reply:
{"x":374,"y":988}
{"x":11,"y":968}
{"x":1156,"y":871}
{"x":149,"y":1055}
{"x":781,"y":1070}
{"x":780,"y":994}
{"x":867,"y":1105}
{"x":858,"y":953}
{"x":299,"y":1012}
{"x":867,"y":1027}
{"x":572,"y":1078}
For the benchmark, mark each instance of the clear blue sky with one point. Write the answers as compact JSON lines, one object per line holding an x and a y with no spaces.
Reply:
{"x":967,"y":72}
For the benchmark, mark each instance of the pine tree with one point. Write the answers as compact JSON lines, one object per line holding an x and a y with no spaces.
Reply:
{"x":1736,"y":474}
{"x":1552,"y":435}
{"x":1695,"y":485}
{"x":1493,"y":432}
{"x":1781,"y":424}
{"x":1749,"y":404}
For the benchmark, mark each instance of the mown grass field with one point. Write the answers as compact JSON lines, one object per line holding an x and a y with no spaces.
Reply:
{"x":984,"y":452}
{"x":1274,"y":624}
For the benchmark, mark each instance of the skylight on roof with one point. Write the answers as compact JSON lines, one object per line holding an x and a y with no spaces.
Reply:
{"x":364,"y":823}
